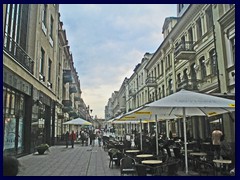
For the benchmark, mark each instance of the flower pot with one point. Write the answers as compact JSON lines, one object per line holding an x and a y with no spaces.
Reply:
{"x":41,"y":150}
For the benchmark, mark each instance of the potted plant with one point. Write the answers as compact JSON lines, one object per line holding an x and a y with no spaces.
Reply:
{"x":42,"y":148}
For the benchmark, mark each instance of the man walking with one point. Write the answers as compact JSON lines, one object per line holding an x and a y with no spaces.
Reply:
{"x":72,"y":138}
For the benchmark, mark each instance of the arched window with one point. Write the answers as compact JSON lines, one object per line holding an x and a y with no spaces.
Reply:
{"x":203,"y":67}
{"x":193,"y":72}
{"x":185,"y":76}
{"x":213,"y":61}
{"x":170,"y":85}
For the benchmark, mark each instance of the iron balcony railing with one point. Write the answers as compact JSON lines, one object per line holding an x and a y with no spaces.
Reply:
{"x":184,"y":46}
{"x":17,"y":53}
{"x":151,"y":81}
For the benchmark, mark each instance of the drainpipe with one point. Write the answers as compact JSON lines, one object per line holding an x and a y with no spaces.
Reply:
{"x":216,"y":57}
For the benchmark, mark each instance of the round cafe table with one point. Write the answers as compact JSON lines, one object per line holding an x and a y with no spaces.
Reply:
{"x":144,"y":155}
{"x":198,"y":154}
{"x":132,"y":151}
{"x":221,"y":162}
{"x":152,"y":162}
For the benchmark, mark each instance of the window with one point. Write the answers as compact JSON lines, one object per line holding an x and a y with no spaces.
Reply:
{"x":41,"y":63}
{"x":193,"y":72}
{"x":185,"y":75}
{"x":44,"y":15}
{"x":203,"y":67}
{"x":213,"y":62}
{"x":159,"y":93}
{"x":158,"y":70}
{"x":49,"y":69}
{"x":209,"y":18}
{"x":51,"y":27}
{"x":170,"y":85}
{"x":232,"y":42}
{"x":161,"y":67}
{"x":199,"y":28}
{"x":190,"y":35}
{"x":168,"y":61}
{"x":179,"y":77}
{"x":12,"y":25}
{"x":163,"y":91}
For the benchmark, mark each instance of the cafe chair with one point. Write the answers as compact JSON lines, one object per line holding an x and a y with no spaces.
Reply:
{"x":172,"y":167}
{"x":141,"y":170}
{"x":113,"y":155}
{"x":127,"y":166}
{"x":205,"y":169}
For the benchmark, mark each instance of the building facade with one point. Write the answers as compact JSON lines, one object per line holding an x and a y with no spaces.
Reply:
{"x":41,"y":88}
{"x":197,"y":54}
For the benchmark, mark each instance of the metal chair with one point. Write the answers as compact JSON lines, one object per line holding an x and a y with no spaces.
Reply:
{"x":113,"y":155}
{"x":205,"y":168}
{"x":127,"y":166}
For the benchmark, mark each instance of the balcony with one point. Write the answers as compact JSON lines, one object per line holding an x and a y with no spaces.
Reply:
{"x":187,"y":85}
{"x":60,"y":116}
{"x":77,"y":98}
{"x":184,"y":51}
{"x":132,"y":92}
{"x":72,"y":89}
{"x":151,"y":82}
{"x":73,"y":114}
{"x":67,"y":109}
{"x":67,"y":103}
{"x":67,"y":76}
{"x":16,"y":52}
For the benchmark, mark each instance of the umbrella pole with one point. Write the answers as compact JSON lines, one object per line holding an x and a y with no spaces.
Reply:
{"x":185,"y":140}
{"x":141,"y":133}
{"x":156,"y":134}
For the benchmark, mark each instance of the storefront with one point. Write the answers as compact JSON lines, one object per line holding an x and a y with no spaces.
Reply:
{"x":16,"y":98}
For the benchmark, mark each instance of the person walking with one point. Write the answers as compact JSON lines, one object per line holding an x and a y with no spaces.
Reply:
{"x":99,"y":136}
{"x":72,"y":138}
{"x":67,"y":138}
{"x":92,"y":139}
{"x":83,"y":137}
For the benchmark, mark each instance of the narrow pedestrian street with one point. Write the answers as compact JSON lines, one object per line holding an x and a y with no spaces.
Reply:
{"x":62,"y":161}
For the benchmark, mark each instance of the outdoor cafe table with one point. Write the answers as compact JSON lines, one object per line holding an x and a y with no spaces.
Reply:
{"x":144,"y":155}
{"x":151,"y":162}
{"x":132,"y":151}
{"x":223,"y":161}
{"x":189,"y":150}
{"x":141,"y":157}
{"x":198,"y":154}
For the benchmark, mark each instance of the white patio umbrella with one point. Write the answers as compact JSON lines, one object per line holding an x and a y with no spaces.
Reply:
{"x":187,"y":103}
{"x":142,"y":116}
{"x":78,"y":121}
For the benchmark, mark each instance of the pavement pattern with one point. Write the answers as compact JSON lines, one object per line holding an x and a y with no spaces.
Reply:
{"x":77,"y":161}
{"x":62,"y":161}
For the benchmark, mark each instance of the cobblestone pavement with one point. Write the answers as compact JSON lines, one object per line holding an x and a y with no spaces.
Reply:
{"x":62,"y":161}
{"x":77,"y":161}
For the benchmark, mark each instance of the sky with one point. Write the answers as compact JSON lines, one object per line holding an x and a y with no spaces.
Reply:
{"x":107,"y":41}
